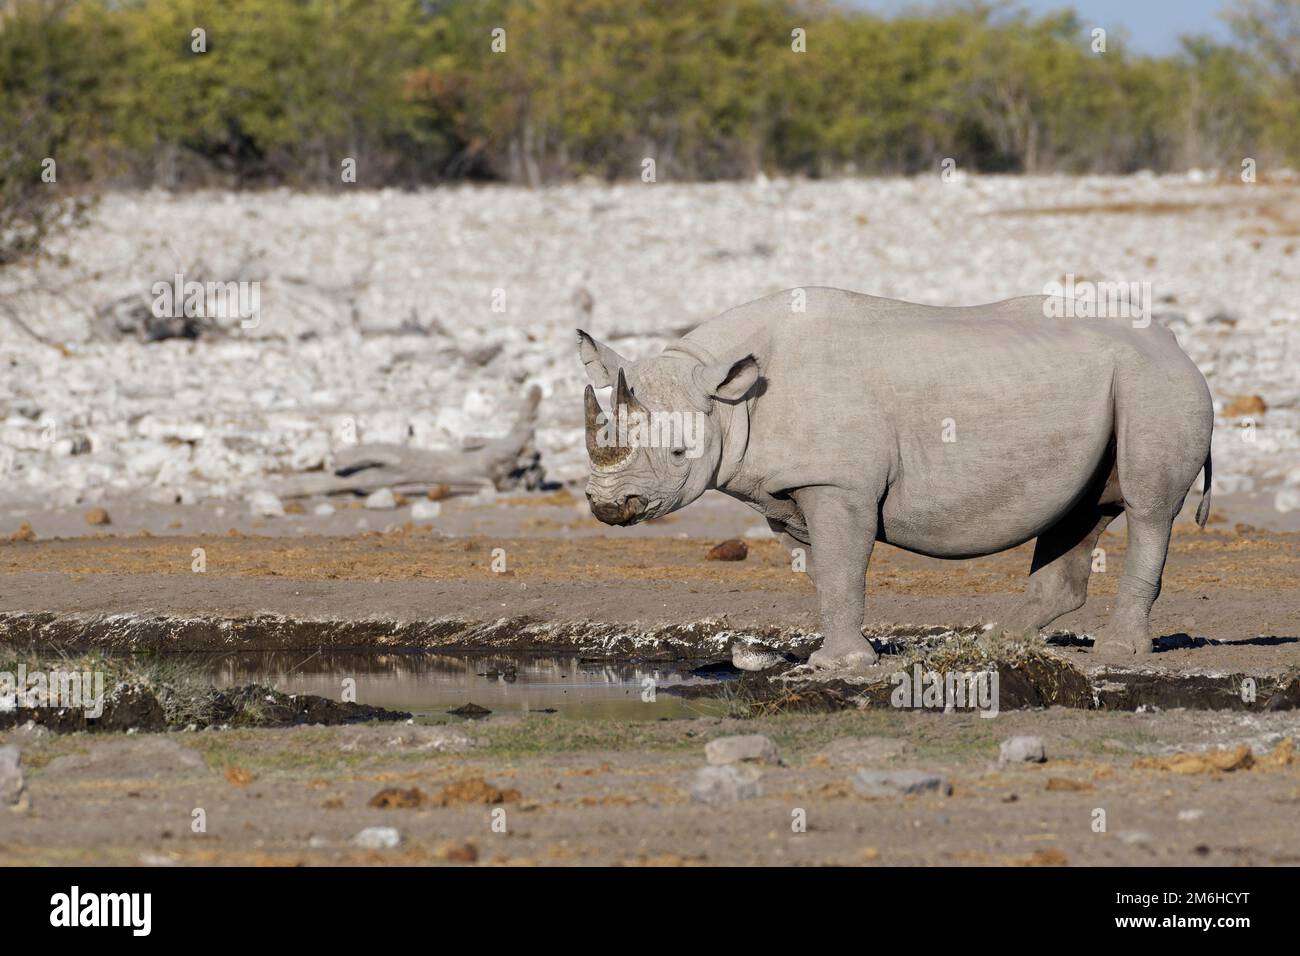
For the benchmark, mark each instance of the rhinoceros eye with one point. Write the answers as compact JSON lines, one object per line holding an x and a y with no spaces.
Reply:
{"x":679,"y":452}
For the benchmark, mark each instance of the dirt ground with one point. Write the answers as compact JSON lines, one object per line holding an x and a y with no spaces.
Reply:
{"x":601,"y":791}
{"x":618,"y":793}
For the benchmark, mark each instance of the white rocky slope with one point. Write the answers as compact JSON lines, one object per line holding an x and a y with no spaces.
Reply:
{"x":381,"y":313}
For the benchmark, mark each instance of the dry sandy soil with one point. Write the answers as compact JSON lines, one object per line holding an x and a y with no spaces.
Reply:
{"x":607,"y":792}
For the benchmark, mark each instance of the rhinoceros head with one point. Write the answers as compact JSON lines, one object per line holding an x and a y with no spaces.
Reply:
{"x":660,"y":445}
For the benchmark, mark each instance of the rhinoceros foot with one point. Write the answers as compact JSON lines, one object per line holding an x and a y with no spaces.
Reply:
{"x":847,"y":655}
{"x":1121,"y":646}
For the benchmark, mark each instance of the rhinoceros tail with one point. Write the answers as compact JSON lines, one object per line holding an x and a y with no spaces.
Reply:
{"x":1203,"y":509}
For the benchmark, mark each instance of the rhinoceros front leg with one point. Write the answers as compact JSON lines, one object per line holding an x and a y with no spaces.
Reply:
{"x":842,"y":529}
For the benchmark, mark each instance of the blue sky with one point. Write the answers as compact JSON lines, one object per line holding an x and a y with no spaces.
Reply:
{"x":1153,"y":26}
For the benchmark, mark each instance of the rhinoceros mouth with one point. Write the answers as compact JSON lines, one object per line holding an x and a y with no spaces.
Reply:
{"x":628,"y":511}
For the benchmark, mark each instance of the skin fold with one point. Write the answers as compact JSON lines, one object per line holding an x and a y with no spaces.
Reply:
{"x":847,"y":419}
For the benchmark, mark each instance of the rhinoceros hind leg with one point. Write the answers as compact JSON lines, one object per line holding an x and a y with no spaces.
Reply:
{"x":1128,"y":632}
{"x":1062,"y":565}
{"x":1162,"y":443}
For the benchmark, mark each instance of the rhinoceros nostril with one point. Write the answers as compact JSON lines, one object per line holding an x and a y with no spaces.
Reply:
{"x":622,"y":510}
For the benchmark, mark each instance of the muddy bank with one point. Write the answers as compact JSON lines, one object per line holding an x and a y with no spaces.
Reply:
{"x":140,"y":708}
{"x":1032,"y":680}
{"x":603,"y":640}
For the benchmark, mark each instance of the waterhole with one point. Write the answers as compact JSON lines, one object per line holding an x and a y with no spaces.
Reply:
{"x":430,"y":685}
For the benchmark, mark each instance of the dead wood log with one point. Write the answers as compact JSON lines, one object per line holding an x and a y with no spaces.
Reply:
{"x":506,"y":463}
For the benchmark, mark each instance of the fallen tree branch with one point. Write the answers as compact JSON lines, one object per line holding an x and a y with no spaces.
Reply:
{"x":504,"y":464}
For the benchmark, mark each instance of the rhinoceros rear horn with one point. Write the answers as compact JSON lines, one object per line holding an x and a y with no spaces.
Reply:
{"x":624,"y":398}
{"x":602,"y":454}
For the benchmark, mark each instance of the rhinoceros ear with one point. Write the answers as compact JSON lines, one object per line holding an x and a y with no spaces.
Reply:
{"x":728,"y":381}
{"x":601,"y":361}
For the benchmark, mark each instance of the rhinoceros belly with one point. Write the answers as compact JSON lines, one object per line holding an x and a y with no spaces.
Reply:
{"x":991,"y":456}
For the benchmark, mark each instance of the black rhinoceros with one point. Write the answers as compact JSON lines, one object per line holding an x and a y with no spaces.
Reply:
{"x":951,"y":432}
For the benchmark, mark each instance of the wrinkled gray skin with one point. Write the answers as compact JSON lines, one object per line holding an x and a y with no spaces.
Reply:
{"x":832,"y":422}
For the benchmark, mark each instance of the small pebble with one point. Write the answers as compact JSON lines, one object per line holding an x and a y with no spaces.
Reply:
{"x":743,"y":748}
{"x":381,"y":500}
{"x":885,"y":783}
{"x":726,"y":784}
{"x":378,"y":838}
{"x":1022,"y":750}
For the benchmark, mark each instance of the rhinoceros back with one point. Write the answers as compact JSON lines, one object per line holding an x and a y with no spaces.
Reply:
{"x":995,"y":418}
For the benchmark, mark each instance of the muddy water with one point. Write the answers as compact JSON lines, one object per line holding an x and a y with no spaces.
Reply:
{"x":429,"y":685}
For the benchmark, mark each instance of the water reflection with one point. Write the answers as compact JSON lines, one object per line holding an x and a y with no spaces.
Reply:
{"x":432,"y":683}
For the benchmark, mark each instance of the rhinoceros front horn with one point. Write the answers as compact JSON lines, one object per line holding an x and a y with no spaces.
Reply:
{"x":602,"y":455}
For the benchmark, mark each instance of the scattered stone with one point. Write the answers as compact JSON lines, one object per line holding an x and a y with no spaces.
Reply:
{"x":733,"y":549}
{"x":885,"y":783}
{"x":1022,"y":750}
{"x":438,"y":492}
{"x":1190,"y":816}
{"x":378,"y":838}
{"x":24,"y":533}
{"x":425,"y":510}
{"x":1288,"y":499}
{"x":265,"y":504}
{"x":98,"y":516}
{"x":13,"y":789}
{"x":323,"y":510}
{"x":473,"y":790}
{"x":1245,"y":405}
{"x":751,"y":748}
{"x":381,"y":500}
{"x":471,"y":710}
{"x":1134,"y":837}
{"x":726,"y":784}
